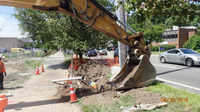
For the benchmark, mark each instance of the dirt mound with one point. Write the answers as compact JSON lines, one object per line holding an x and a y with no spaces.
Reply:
{"x":98,"y":73}
{"x":92,"y":72}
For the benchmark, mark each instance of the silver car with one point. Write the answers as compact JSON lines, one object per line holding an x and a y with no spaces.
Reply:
{"x":180,"y":56}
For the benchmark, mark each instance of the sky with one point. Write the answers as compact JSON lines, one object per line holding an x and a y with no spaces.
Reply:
{"x":8,"y":23}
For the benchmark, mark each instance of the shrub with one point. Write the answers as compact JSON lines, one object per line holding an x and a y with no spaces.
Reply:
{"x":155,"y":48}
{"x":198,"y":50}
{"x":193,"y":42}
{"x":166,"y":47}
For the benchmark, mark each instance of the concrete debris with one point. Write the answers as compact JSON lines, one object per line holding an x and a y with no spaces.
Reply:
{"x":142,"y":107}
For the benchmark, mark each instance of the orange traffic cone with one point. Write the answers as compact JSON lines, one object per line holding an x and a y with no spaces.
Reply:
{"x":68,"y":75}
{"x":42,"y":68}
{"x":37,"y":71}
{"x":73,"y":97}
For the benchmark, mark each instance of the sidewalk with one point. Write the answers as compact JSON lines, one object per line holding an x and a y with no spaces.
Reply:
{"x":39,"y":94}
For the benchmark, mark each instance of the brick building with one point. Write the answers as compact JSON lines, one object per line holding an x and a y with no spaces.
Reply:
{"x":177,"y":36}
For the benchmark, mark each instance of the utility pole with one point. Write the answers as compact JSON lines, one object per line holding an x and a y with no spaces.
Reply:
{"x":121,"y":47}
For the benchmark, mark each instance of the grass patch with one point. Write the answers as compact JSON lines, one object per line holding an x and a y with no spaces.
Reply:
{"x":123,"y":101}
{"x":109,"y":75}
{"x":169,"y":93}
{"x":155,"y":52}
{"x":33,"y":63}
{"x":177,"y":98}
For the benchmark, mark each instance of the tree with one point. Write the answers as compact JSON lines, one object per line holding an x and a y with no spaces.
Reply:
{"x":178,"y":10}
{"x":193,"y":42}
{"x":152,"y":32}
{"x":55,"y":29}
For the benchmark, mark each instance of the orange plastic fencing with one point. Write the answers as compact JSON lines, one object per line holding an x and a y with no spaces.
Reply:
{"x":109,"y":61}
{"x":77,"y":62}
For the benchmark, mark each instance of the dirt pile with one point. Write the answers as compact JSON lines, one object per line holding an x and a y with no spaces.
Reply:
{"x":92,"y":72}
{"x":98,"y":73}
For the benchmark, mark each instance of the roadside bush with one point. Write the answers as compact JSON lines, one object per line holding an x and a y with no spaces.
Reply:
{"x":166,"y":47}
{"x":198,"y":50}
{"x":33,"y":63}
{"x":154,"y":48}
{"x":193,"y":42}
{"x":48,"y":52}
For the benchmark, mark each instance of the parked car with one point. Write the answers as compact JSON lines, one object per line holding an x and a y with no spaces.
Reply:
{"x":19,"y":50}
{"x":180,"y":56}
{"x":91,"y":52}
{"x":2,"y":50}
{"x":103,"y":52}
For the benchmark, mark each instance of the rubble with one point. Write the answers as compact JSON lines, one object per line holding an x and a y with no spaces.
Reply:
{"x":142,"y":107}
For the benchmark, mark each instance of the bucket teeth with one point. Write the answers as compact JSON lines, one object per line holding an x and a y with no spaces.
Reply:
{"x":135,"y":73}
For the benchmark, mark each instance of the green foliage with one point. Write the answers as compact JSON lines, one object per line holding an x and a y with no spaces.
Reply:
{"x":179,"y":10}
{"x":91,"y":108}
{"x":155,"y":48}
{"x":152,"y":32}
{"x":48,"y":52}
{"x":193,"y":42}
{"x":192,"y":105}
{"x":125,"y":101}
{"x":28,"y":45}
{"x":198,"y":50}
{"x":52,"y":30}
{"x":33,"y":63}
{"x":109,"y":75}
{"x":166,"y":47}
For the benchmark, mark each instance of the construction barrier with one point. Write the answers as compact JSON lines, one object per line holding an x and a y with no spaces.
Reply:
{"x":108,"y":62}
{"x":78,"y":62}
{"x":3,"y":102}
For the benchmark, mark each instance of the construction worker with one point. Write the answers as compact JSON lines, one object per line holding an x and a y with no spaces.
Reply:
{"x":2,"y":71}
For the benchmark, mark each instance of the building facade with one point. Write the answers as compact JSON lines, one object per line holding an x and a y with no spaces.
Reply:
{"x":10,"y":42}
{"x":178,"y":36}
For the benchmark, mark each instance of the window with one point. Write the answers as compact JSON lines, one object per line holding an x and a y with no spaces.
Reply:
{"x":170,"y":51}
{"x":175,"y":51}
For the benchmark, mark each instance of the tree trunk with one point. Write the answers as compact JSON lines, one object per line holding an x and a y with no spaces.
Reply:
{"x":80,"y":56}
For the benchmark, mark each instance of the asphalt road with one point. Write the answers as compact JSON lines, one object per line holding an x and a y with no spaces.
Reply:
{"x":178,"y":76}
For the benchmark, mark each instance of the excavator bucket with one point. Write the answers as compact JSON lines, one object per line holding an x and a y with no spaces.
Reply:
{"x":135,"y":73}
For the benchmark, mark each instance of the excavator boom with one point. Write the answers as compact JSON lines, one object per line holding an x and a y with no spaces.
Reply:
{"x":137,"y":71}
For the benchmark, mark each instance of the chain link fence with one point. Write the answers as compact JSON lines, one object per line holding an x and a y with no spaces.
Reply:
{"x":20,"y":55}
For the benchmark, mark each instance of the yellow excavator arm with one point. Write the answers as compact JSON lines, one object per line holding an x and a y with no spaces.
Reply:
{"x":137,"y":70}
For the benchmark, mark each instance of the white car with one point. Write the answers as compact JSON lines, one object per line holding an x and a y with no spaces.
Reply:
{"x":180,"y":56}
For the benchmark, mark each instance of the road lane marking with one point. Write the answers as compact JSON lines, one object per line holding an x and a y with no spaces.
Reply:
{"x":168,"y":66}
{"x":198,"y":89}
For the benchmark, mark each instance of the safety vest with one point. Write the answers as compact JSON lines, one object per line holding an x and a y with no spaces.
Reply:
{"x":2,"y":67}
